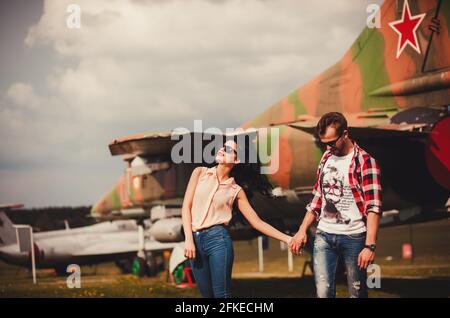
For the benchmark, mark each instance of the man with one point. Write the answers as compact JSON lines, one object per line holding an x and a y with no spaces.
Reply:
{"x":347,"y":203}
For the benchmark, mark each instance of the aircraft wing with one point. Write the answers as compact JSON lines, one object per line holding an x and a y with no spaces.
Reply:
{"x":103,"y":249}
{"x":151,"y":143}
{"x":9,"y":206}
{"x":121,"y":247}
{"x":384,"y":131}
{"x":160,"y":143}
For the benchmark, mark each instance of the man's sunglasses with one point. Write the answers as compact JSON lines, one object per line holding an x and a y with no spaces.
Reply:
{"x":228,"y":149}
{"x":332,"y":143}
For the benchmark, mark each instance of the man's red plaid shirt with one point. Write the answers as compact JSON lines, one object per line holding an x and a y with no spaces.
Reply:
{"x":364,"y":178}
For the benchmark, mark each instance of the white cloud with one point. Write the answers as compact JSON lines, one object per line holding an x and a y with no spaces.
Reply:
{"x":23,"y":95}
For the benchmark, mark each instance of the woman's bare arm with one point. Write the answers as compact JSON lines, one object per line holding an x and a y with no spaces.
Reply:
{"x":189,"y":250}
{"x":250,"y":214}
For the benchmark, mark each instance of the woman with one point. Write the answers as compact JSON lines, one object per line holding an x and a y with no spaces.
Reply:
{"x":206,"y":211}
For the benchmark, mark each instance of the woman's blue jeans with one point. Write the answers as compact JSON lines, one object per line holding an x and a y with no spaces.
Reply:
{"x":213,"y":262}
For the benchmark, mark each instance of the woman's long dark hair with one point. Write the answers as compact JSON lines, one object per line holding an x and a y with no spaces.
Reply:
{"x":248,"y":174}
{"x":250,"y":178}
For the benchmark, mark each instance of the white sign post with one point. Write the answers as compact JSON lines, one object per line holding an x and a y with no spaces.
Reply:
{"x":260,"y":254}
{"x":24,"y":234}
{"x":284,"y":247}
{"x":290,"y":261}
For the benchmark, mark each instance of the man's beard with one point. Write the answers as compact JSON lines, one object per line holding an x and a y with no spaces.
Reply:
{"x":337,"y":151}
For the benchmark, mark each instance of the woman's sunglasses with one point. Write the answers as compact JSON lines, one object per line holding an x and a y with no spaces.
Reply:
{"x":228,"y":149}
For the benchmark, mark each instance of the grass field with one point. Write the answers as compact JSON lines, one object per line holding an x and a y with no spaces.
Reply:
{"x":427,"y":275}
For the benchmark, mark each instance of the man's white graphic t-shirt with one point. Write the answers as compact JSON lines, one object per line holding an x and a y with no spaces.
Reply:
{"x":340,"y":214}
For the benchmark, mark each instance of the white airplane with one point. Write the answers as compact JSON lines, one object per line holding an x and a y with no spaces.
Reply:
{"x":102,"y":242}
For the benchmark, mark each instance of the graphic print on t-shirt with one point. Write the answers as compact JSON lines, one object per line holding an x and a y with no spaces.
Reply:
{"x":337,"y":196}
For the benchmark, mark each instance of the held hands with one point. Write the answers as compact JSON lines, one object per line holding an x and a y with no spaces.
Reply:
{"x":189,"y":248}
{"x":298,"y":242}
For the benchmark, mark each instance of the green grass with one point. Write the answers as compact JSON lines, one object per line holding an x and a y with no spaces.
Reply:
{"x":94,"y":283}
{"x":427,"y":275}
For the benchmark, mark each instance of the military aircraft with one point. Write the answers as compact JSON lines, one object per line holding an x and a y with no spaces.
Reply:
{"x":393,"y":86}
{"x":102,"y":242}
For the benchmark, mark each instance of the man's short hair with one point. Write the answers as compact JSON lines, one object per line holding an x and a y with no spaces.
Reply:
{"x":334,"y":119}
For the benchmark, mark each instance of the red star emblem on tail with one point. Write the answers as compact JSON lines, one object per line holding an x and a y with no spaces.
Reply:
{"x":406,"y":28}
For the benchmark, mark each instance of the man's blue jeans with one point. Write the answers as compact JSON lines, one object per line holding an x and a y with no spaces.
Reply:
{"x":327,"y":248}
{"x":213,"y":262}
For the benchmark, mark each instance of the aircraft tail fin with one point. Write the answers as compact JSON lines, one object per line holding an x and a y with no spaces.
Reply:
{"x":403,"y":62}
{"x":392,"y":67}
{"x":7,"y":231}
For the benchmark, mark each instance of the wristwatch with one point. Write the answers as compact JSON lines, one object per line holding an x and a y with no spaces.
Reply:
{"x":371,"y":247}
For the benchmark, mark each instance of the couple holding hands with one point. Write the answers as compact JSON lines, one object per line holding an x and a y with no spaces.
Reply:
{"x":346,"y":202}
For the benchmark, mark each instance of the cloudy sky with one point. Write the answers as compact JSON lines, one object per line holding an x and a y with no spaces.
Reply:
{"x":140,"y":65}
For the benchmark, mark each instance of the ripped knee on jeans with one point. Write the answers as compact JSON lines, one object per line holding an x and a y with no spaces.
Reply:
{"x":323,"y":287}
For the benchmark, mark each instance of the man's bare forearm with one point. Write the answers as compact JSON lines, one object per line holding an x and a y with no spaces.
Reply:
{"x":307,"y":221}
{"x":373,"y":222}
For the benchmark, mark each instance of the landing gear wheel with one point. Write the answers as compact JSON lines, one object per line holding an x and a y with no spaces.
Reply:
{"x":61,"y":270}
{"x":152,"y":265}
{"x":125,"y":265}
